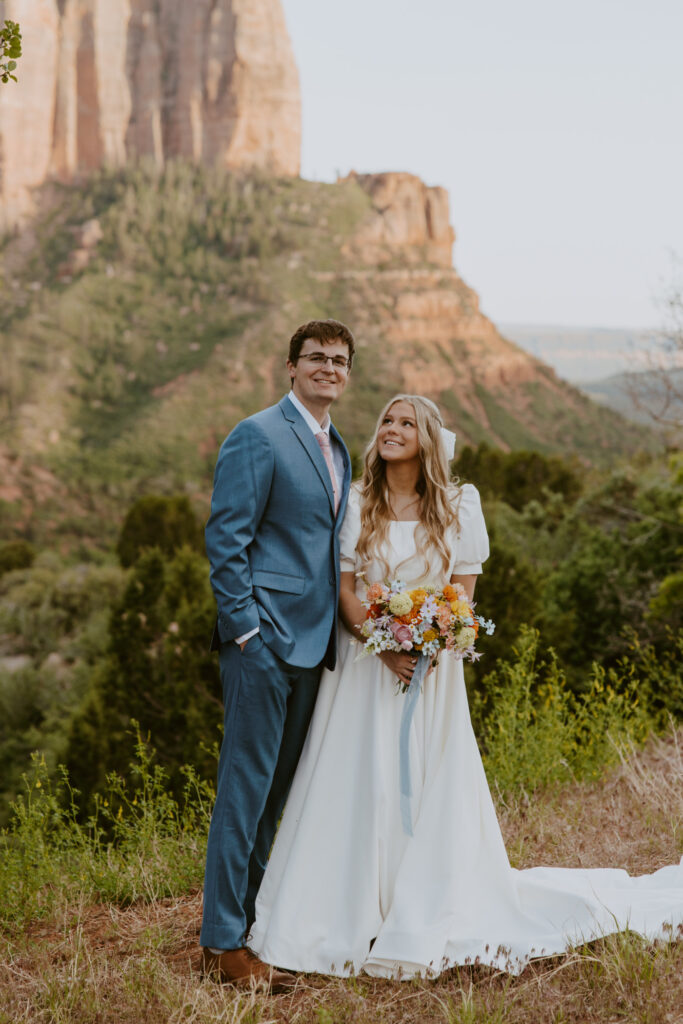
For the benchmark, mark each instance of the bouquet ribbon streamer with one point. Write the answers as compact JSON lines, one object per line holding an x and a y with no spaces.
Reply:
{"x":410,"y":702}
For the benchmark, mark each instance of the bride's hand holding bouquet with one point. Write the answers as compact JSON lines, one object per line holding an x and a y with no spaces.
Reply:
{"x":402,"y":624}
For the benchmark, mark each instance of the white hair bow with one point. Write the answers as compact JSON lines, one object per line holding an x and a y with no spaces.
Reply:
{"x":448,"y":441}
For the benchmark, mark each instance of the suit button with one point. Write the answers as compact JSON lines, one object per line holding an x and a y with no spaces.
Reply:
{"x":331,"y":581}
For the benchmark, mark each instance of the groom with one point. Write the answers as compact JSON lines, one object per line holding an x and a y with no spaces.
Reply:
{"x":280,"y":490}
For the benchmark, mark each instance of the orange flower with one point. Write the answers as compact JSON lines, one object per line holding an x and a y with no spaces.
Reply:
{"x":449,"y":592}
{"x":418,"y":596}
{"x":409,"y":616}
{"x":375,"y":591}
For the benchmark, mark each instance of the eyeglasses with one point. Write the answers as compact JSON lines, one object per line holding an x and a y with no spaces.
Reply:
{"x":320,"y":359}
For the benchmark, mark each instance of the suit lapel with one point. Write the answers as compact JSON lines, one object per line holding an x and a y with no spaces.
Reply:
{"x":305,"y":436}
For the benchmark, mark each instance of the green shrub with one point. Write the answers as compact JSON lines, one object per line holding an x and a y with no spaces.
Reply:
{"x":141,"y":843}
{"x":519,"y":477}
{"x":156,"y":521}
{"x":661,"y":670}
{"x":534,"y":731}
{"x":507,"y":592}
{"x":54,"y":623}
{"x":157,"y":670}
{"x":16,"y":554}
{"x":49,"y":604}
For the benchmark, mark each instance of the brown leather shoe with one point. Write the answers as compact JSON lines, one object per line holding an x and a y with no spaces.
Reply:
{"x":242,"y":967}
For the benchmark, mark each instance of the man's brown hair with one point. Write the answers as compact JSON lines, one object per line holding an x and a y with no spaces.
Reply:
{"x":324,"y":331}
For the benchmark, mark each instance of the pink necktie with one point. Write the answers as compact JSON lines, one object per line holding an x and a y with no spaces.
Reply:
{"x":324,"y":441}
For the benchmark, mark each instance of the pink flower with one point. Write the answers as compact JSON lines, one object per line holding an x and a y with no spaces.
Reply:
{"x":443,"y":618}
{"x":375,"y":592}
{"x":402,"y":635}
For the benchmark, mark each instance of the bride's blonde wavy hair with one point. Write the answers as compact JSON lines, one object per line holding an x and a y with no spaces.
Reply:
{"x":436,"y":492}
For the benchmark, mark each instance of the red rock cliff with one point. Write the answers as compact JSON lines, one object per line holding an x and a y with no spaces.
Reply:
{"x":105,"y":81}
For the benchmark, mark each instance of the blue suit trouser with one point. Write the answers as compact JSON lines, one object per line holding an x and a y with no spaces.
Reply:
{"x":267,"y":708}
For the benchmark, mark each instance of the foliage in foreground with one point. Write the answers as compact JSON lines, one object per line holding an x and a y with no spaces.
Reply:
{"x":620,"y":979}
{"x":141,"y":843}
{"x":535,"y":731}
{"x":138,"y":962}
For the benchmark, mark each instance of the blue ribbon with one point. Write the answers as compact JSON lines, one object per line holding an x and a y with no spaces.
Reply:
{"x":410,"y":702}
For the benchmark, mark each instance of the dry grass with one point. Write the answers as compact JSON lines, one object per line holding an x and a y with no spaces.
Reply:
{"x":100,"y":964}
{"x":632,"y":818}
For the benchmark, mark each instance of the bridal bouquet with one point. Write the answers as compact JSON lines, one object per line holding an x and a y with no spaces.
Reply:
{"x":425,"y":620}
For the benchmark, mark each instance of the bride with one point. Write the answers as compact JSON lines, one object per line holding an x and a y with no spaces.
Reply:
{"x":346,"y":887}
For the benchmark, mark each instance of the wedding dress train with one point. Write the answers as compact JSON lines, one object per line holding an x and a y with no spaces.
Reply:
{"x":346,"y":889}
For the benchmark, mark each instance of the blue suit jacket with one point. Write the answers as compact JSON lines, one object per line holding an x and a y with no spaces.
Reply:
{"x":273,"y":539}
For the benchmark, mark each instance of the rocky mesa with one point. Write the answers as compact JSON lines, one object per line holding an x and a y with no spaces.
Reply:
{"x":107,"y":81}
{"x":408,"y":298}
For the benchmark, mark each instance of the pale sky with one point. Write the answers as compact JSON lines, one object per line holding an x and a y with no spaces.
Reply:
{"x":556,"y":127}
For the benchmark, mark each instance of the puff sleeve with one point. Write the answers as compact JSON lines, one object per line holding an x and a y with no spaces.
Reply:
{"x":470,"y":546}
{"x":350,"y":532}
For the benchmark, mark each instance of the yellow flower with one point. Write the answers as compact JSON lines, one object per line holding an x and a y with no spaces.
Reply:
{"x":460,"y":608}
{"x":400,"y":604}
{"x":429,"y":635}
{"x":418,"y":597}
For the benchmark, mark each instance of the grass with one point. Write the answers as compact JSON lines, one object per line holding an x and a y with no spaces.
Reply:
{"x":100,"y":920}
{"x":100,"y":961}
{"x":140,"y":845}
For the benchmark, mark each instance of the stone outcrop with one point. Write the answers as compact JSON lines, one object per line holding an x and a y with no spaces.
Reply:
{"x":106,"y":81}
{"x":409,"y":301}
{"x":407,"y":216}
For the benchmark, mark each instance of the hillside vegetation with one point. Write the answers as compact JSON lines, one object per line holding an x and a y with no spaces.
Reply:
{"x":147,"y":311}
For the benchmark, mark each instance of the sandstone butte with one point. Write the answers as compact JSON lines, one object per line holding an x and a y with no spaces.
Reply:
{"x":106,"y":81}
{"x":408,"y":295}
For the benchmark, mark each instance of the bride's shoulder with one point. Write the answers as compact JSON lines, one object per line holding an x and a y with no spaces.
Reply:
{"x":466,"y":504}
{"x":464,"y":496}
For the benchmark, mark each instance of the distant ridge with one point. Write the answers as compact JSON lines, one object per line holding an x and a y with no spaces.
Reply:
{"x":582,"y":353}
{"x":642,"y":397}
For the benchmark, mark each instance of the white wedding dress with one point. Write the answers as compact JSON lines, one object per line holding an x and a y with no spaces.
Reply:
{"x":346,"y":889}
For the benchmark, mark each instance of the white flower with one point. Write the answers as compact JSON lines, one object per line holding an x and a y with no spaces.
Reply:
{"x":465,"y":638}
{"x":400,"y":604}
